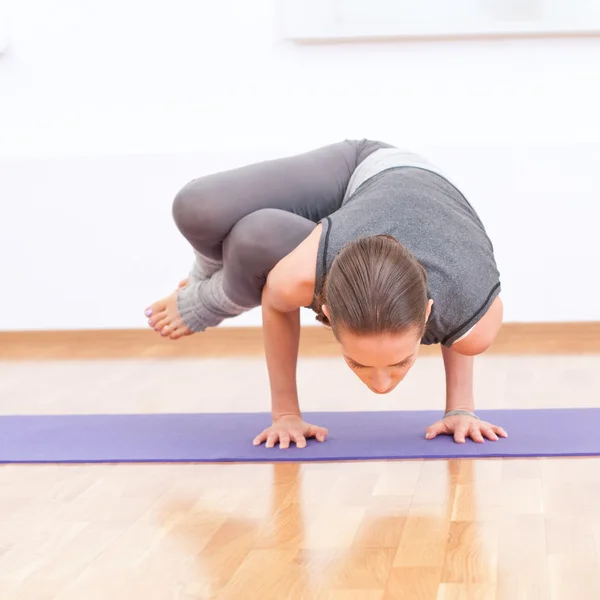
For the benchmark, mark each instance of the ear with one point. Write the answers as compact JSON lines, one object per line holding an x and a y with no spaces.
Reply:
{"x":325,"y":310}
{"x":429,"y":307}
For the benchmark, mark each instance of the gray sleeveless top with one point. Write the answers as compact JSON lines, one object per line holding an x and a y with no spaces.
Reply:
{"x":400,"y":194}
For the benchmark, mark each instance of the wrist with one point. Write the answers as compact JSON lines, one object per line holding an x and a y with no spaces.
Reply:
{"x":460,"y":403}
{"x":283,"y":415}
{"x":285,"y":406}
{"x":459,"y":411}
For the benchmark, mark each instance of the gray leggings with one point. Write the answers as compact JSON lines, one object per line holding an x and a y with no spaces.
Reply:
{"x":242,"y":222}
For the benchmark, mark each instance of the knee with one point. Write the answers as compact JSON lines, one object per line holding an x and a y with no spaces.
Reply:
{"x":253,"y":240}
{"x":262,"y":238}
{"x":196,"y":208}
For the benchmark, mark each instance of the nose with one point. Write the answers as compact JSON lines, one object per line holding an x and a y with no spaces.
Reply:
{"x":381,"y":383}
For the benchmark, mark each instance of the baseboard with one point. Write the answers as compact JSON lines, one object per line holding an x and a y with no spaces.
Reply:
{"x":514,"y":338}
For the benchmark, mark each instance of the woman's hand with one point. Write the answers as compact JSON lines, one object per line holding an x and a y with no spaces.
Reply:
{"x":463,"y":426}
{"x":290,"y":428}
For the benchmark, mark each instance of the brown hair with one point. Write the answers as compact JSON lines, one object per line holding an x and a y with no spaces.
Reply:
{"x":375,"y":285}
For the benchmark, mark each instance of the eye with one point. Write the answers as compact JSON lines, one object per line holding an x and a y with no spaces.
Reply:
{"x":403,"y":365}
{"x":355,"y":366}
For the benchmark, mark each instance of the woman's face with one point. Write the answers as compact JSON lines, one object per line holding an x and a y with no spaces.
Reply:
{"x":381,"y":362}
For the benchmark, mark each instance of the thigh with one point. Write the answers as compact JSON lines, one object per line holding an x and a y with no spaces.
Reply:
{"x":310,"y":185}
{"x":254,"y":246}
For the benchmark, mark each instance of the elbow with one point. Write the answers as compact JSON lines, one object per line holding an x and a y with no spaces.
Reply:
{"x":277,"y":295}
{"x":271,"y":296}
{"x":484,"y":334}
{"x":473,"y":347}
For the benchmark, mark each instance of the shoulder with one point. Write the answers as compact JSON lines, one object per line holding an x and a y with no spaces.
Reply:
{"x":483,"y":334}
{"x":291,"y":283}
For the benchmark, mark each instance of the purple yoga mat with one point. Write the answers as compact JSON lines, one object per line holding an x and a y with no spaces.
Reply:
{"x":228,"y":437}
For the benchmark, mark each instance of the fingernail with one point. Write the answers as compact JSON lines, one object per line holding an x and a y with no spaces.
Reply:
{"x":427,"y":436}
{"x":148,"y":312}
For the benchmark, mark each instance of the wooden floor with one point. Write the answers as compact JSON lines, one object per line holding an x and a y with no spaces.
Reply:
{"x":423,"y":530}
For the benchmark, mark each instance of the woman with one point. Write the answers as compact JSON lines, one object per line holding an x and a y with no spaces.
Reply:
{"x":377,"y":241}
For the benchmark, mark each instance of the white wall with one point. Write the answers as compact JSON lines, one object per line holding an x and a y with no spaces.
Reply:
{"x":108,"y":108}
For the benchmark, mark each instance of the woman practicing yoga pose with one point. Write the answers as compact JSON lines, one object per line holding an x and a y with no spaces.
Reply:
{"x":377,"y":241}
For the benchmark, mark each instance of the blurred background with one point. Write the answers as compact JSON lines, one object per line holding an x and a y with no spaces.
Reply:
{"x":108,"y":108}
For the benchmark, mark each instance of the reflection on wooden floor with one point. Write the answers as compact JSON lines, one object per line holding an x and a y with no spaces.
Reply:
{"x":434,"y":530}
{"x":423,"y":530}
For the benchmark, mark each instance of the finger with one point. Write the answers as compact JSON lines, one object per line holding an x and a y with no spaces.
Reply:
{"x":459,"y":433}
{"x":475,"y":434}
{"x":433,"y":431}
{"x":272,"y":440}
{"x":500,"y":431}
{"x":299,"y":438}
{"x":438,"y":428}
{"x":490,"y":434}
{"x":284,"y":440}
{"x":260,"y":438}
{"x":321,"y":434}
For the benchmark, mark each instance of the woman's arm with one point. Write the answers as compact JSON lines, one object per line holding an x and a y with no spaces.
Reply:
{"x":459,"y":359}
{"x":459,"y":367}
{"x":459,"y":380}
{"x":289,"y":286}
{"x":459,"y":397}
{"x":281,"y":333}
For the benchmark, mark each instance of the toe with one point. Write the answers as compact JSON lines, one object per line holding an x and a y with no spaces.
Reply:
{"x":156,"y":308}
{"x":179,"y":332}
{"x":157,"y":319}
{"x":176,"y":334}
{"x":162,"y":323}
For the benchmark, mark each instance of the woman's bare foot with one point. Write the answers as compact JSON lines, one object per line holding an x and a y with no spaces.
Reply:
{"x":164,"y":317}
